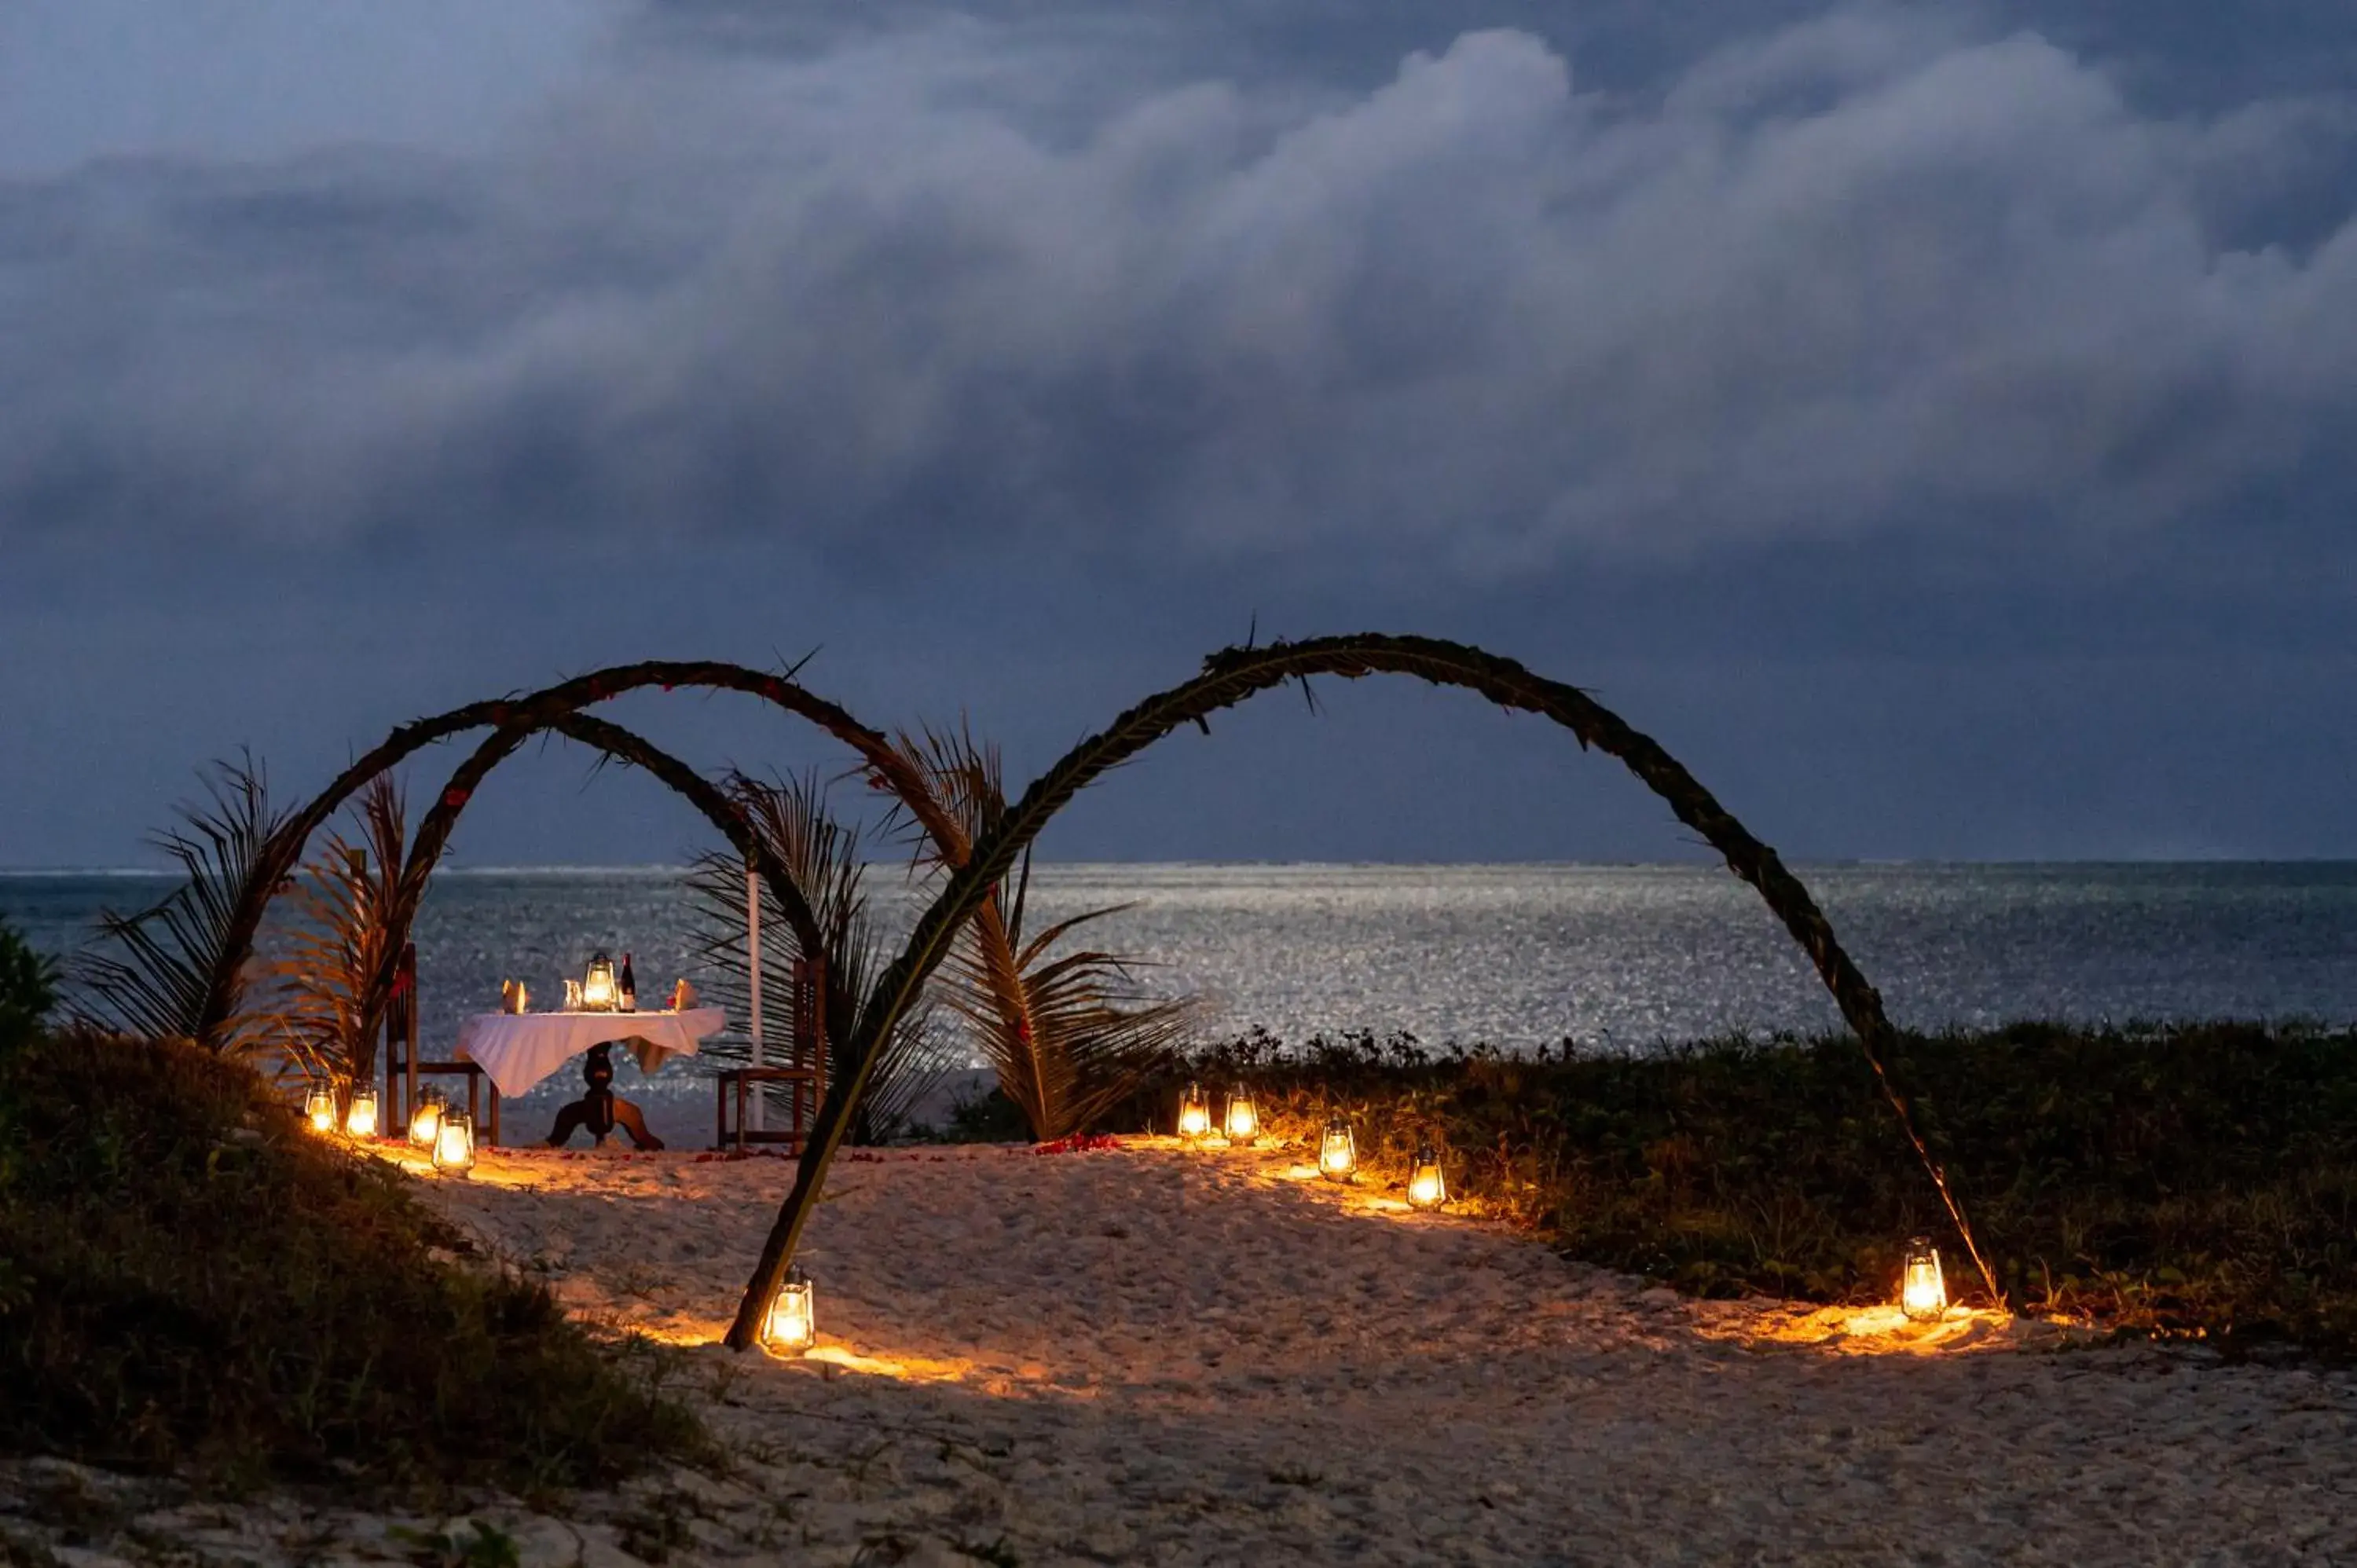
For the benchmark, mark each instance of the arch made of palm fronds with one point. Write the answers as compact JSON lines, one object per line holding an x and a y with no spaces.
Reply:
{"x":1229,"y":677}
{"x":523,"y":715}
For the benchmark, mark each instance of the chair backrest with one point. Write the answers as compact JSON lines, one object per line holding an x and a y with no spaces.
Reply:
{"x":810,"y":1014}
{"x":400,"y":1056}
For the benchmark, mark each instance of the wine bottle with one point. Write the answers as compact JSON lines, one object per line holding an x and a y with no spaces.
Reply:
{"x":630,"y":986}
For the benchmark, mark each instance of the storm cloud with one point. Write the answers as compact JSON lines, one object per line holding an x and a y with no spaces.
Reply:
{"x":1933,"y":422}
{"x":1864,"y":274}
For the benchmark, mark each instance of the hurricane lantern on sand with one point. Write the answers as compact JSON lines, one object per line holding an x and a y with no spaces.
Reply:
{"x":597,"y":994}
{"x":454,"y":1143}
{"x":319,"y":1109}
{"x":360,"y":1120}
{"x":1922,"y":1292}
{"x":425,"y":1122}
{"x":793,"y":1324}
{"x":1194,"y":1114}
{"x":1243,"y":1124}
{"x":1337,"y":1152}
{"x":1426,"y":1187}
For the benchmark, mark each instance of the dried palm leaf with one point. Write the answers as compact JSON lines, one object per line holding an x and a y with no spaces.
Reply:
{"x":164,"y":971}
{"x":336,"y":936}
{"x":822,"y":856}
{"x":1067,"y":1037}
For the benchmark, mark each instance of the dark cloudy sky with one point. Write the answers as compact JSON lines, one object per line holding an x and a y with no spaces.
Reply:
{"x":1937,"y":424}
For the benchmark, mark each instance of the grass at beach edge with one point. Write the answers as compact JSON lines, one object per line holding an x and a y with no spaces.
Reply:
{"x":2183,"y":1181}
{"x":190,"y":1280}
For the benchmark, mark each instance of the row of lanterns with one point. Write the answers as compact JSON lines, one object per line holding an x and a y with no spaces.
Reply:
{"x":1338,"y":1148}
{"x":1922,"y":1289}
{"x":445,"y":1134}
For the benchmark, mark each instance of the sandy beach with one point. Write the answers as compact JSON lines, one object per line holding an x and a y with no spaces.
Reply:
{"x":1154,"y":1355}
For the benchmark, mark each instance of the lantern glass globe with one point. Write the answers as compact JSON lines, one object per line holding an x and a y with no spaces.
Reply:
{"x":425,"y":1122}
{"x":454,"y":1143}
{"x":791,"y":1327}
{"x":1337,"y":1152}
{"x":1242,"y":1124}
{"x":1194,"y":1114}
{"x":597,"y":992}
{"x":1922,"y":1289}
{"x":1426,"y":1187}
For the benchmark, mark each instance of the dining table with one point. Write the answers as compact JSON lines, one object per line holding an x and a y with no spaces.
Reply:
{"x":517,"y":1050}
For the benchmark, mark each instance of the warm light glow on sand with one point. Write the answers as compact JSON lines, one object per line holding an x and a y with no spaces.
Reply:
{"x":903,"y":1368}
{"x":1881,"y":1330}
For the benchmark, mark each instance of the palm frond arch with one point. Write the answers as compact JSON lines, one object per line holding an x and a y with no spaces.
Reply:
{"x":1230,"y":677}
{"x":514,"y":718}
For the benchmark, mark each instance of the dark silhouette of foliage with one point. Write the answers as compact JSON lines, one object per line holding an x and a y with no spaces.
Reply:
{"x":182,"y":969}
{"x":189,"y":1280}
{"x":28,"y":987}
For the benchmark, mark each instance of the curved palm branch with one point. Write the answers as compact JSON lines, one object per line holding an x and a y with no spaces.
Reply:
{"x":182,"y":968}
{"x":1234,"y":675}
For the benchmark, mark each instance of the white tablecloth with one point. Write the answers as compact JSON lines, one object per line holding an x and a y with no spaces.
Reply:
{"x":519,"y":1050}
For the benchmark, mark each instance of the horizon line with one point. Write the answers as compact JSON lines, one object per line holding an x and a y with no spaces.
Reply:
{"x":571,"y":868}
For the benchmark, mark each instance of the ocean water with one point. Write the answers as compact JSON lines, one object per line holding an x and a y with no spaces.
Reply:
{"x":1515,"y":955}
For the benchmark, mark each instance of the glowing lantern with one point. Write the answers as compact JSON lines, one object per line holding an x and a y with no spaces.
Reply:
{"x":319,"y":1109}
{"x":425,"y":1122}
{"x":1243,"y":1124}
{"x":1923,"y":1293}
{"x":1194,"y":1114}
{"x":597,"y":986}
{"x":360,"y":1120}
{"x":454,"y":1143}
{"x":793,"y":1327}
{"x":1426,"y":1187}
{"x":1337,"y":1152}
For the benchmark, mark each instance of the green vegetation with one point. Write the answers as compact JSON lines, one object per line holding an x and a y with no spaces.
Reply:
{"x":188,"y":1278}
{"x":28,"y":987}
{"x":2196,"y":1180}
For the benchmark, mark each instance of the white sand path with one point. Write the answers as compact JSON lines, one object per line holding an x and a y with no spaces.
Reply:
{"x":1160,"y":1356}
{"x":1163,"y":1357}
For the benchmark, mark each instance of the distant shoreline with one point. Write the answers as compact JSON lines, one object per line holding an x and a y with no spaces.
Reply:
{"x":1700,"y":860}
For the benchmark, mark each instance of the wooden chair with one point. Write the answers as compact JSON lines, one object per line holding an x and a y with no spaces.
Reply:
{"x":806,"y":1074}
{"x":403,"y":1069}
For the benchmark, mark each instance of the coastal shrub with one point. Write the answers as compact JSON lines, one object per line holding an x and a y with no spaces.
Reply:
{"x":2196,"y":1179}
{"x":188,"y":1279}
{"x":28,"y":987}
